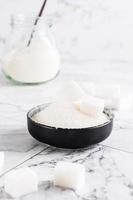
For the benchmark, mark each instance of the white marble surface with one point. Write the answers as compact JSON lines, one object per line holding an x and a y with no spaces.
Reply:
{"x":95,"y":42}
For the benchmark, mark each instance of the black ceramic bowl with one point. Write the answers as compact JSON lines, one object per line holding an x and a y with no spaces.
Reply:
{"x":68,"y":138}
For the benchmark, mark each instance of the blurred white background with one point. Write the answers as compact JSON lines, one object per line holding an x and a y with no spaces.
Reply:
{"x":96,"y":35}
{"x":85,"y":29}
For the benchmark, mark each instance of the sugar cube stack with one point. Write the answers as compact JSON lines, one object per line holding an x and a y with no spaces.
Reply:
{"x":90,"y":105}
{"x":1,"y":161}
{"x":69,"y":175}
{"x":20,"y":182}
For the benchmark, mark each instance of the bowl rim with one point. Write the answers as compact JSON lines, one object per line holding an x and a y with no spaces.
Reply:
{"x":35,"y":108}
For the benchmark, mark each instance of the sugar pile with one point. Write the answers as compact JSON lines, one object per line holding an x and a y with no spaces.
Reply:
{"x":62,"y":114}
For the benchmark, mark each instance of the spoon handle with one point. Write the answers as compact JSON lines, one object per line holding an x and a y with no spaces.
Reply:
{"x":36,"y":20}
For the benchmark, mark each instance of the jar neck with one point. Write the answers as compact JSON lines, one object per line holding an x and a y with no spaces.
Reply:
{"x":26,"y":22}
{"x":22,"y":26}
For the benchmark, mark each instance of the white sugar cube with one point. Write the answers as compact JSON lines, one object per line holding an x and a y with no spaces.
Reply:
{"x":69,"y":175}
{"x":1,"y":161}
{"x":20,"y":182}
{"x":123,"y":102}
{"x":107,"y":91}
{"x":72,"y":91}
{"x":90,"y":105}
{"x":126,"y":102}
{"x":113,"y":103}
{"x":110,"y":93}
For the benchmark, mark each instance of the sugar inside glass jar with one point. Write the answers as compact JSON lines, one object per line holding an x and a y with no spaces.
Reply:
{"x":31,"y":62}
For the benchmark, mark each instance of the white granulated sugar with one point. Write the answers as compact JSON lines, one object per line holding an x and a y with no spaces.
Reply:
{"x":63,"y":114}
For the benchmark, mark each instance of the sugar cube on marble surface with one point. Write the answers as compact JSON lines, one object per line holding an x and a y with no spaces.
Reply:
{"x":20,"y":182}
{"x":69,"y":175}
{"x":1,"y":161}
{"x":113,"y":103}
{"x":126,"y":103}
{"x":111,"y":93}
{"x":90,"y":105}
{"x":108,"y":91}
{"x":123,"y":102}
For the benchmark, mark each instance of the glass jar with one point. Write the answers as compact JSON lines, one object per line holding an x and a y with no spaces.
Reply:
{"x":31,"y":56}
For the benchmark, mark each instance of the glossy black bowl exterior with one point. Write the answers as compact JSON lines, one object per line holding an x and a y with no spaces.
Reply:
{"x":68,"y":138}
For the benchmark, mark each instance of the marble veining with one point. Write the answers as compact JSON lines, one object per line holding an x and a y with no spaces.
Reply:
{"x":108,"y":165}
{"x":106,"y":176}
